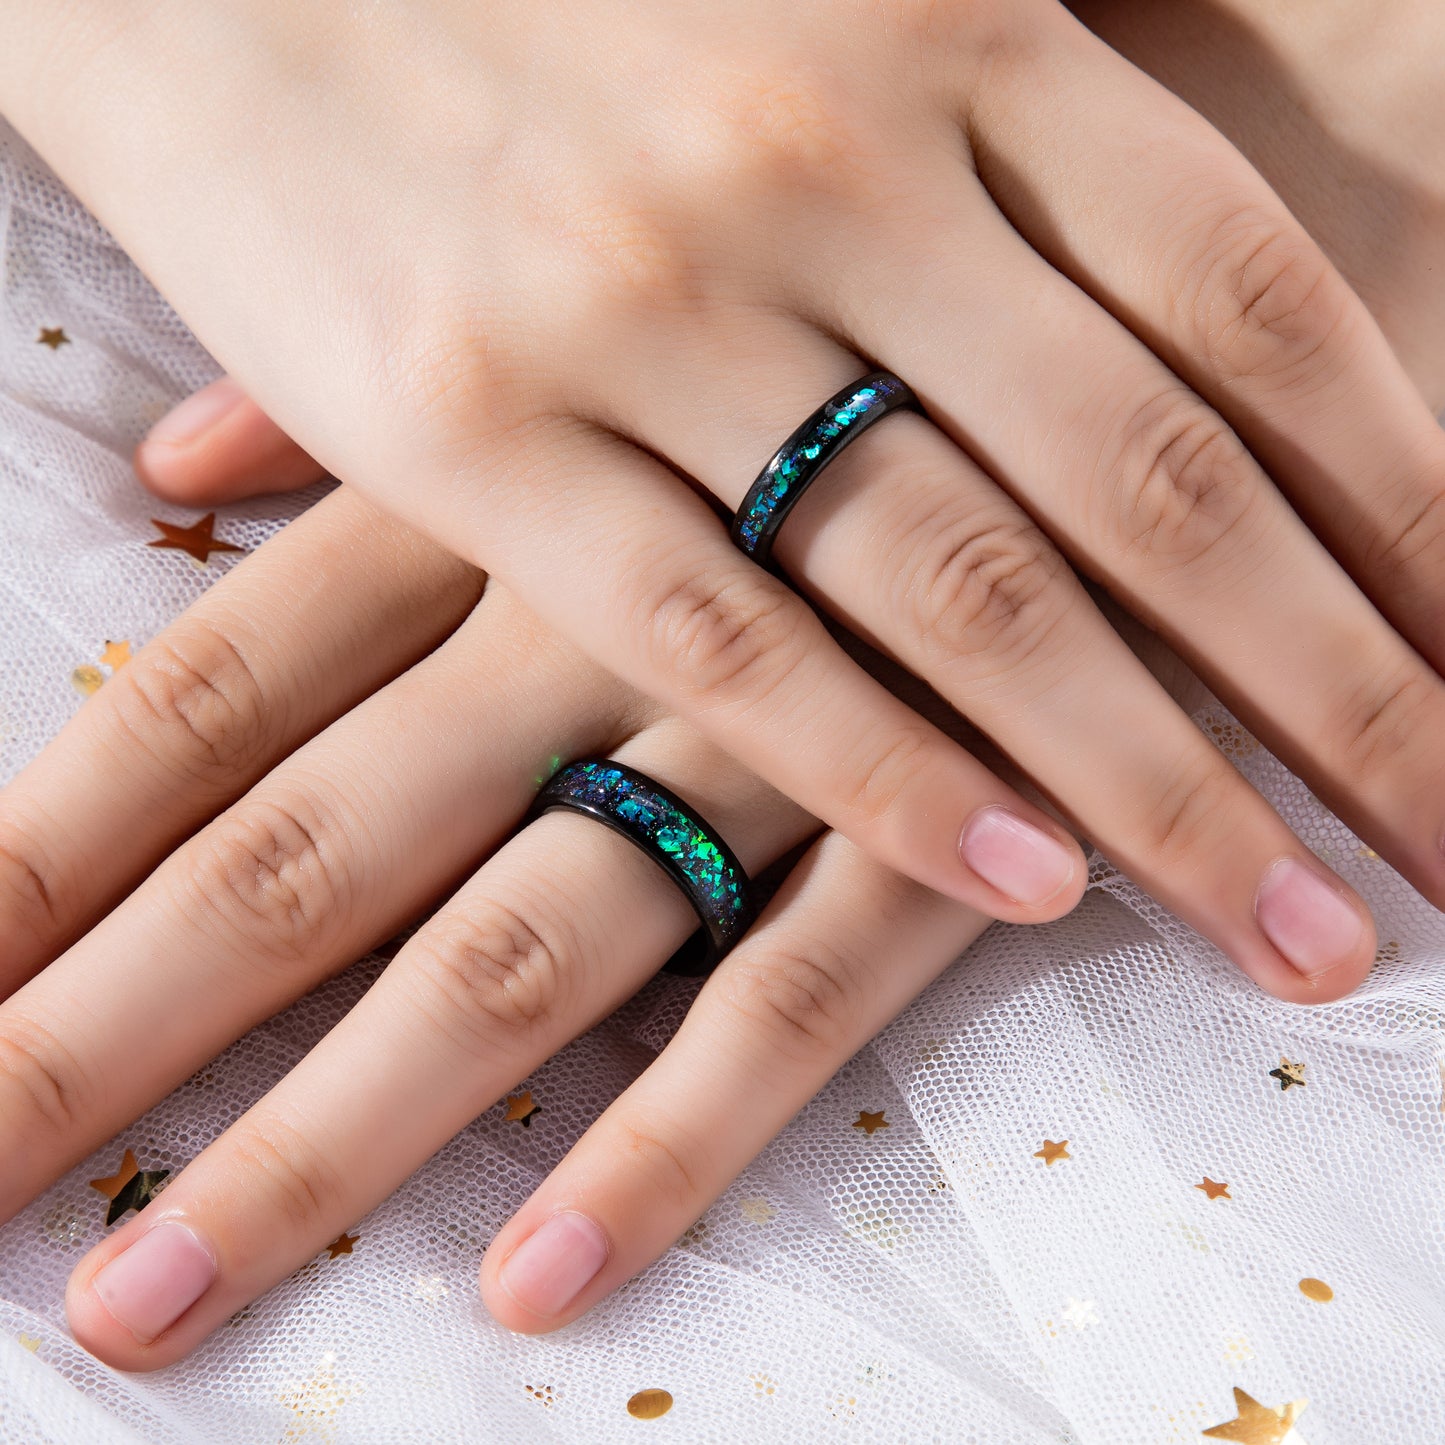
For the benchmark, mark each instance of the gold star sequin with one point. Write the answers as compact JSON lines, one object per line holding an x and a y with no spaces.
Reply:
{"x":196,"y":541}
{"x":1052,"y":1151}
{"x":87,"y":679}
{"x":130,"y":1187}
{"x":1288,"y":1073}
{"x":1317,"y":1290}
{"x":342,"y":1244}
{"x":521,"y":1110}
{"x":1213,"y":1190}
{"x":315,"y":1402}
{"x":116,"y":655}
{"x":1256,"y":1424}
{"x":53,"y":336}
{"x":756,"y":1210}
{"x":649,"y":1404}
{"x":29,"y":1342}
{"x":870,"y":1124}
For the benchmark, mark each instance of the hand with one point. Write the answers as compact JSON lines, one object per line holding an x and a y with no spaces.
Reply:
{"x":330,"y":740}
{"x":517,"y":309}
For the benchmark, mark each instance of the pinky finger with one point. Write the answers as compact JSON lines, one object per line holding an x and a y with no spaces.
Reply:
{"x":845,"y":946}
{"x":218,"y":446}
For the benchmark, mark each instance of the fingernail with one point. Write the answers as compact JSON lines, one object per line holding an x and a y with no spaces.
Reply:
{"x":547,"y":1271}
{"x":197,"y":413}
{"x":1019,"y":859}
{"x":1308,"y":921}
{"x":154,"y":1282}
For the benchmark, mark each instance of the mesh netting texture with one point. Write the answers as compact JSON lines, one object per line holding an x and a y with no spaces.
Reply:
{"x":937,"y":1279}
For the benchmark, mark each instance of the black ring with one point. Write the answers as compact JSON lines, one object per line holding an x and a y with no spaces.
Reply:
{"x":796,"y":464}
{"x":673,"y":835}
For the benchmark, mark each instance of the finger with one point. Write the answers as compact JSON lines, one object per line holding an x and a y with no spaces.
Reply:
{"x":657,"y":592}
{"x":217,"y":446}
{"x":1224,"y":284}
{"x":907,"y":541}
{"x":506,"y":972}
{"x":341,"y":600}
{"x":1148,"y":491}
{"x":351,"y":837}
{"x":843,"y":948}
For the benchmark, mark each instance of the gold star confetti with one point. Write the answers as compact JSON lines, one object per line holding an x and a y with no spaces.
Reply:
{"x":1367,"y":852}
{"x":765,"y":1385}
{"x":1256,"y":1424}
{"x":342,"y":1244}
{"x":1288,"y":1073}
{"x":1317,"y":1290}
{"x":315,"y":1402}
{"x":649,"y":1404}
{"x":521,"y":1110}
{"x":1237,"y":1350}
{"x":756,"y":1210}
{"x":196,"y":541}
{"x":86,"y":679}
{"x":878,"y":1227}
{"x":116,"y":655}
{"x":870,"y":1124}
{"x":131,"y":1187}
{"x":1213,"y":1190}
{"x":29,"y":1342}
{"x":1051,"y":1151}
{"x":53,"y":336}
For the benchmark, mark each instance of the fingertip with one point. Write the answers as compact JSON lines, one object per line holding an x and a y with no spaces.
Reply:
{"x":1038,"y":873}
{"x":535,"y":1283}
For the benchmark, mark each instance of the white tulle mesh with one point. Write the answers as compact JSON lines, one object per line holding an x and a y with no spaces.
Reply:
{"x":933,"y":1281}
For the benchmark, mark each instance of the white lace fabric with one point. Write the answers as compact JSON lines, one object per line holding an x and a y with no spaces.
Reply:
{"x":934,"y":1280}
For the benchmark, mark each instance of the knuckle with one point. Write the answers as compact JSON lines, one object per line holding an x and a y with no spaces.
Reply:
{"x":1380,"y":720}
{"x":803,"y":1000}
{"x":642,"y":1153}
{"x":486,"y":974}
{"x":720,"y":637}
{"x":1192,"y":809}
{"x":32,"y":893}
{"x":1272,"y":305}
{"x":1418,"y":537}
{"x":40,"y":1080}
{"x":1185,"y":487}
{"x":799,"y":126}
{"x":193,"y":700}
{"x":274,"y":869}
{"x":872,"y":787}
{"x":983,"y":589}
{"x":635,"y":255}
{"x":272,"y":1158}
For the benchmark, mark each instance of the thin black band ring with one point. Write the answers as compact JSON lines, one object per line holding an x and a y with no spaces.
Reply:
{"x":796,"y":464}
{"x":673,"y":835}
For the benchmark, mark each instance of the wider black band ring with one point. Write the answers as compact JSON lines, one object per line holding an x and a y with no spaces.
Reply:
{"x":672,"y":834}
{"x":796,"y":464}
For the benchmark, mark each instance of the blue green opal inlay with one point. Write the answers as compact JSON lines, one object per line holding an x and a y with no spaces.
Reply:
{"x":794,"y":465}
{"x":659,"y":824}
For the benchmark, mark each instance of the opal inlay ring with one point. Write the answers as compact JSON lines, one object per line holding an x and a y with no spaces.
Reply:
{"x":673,"y":835}
{"x":796,"y":464}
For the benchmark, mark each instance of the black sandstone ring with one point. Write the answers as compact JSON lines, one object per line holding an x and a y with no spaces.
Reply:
{"x":674,"y":836}
{"x":796,"y":464}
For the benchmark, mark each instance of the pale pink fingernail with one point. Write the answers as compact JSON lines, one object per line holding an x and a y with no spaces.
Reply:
{"x":546,"y":1272}
{"x":197,"y":413}
{"x":154,"y":1282}
{"x":1315,"y":927}
{"x":1019,"y":859}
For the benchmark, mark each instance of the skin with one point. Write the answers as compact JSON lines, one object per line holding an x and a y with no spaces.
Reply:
{"x":503,"y":974}
{"x":603,"y":285}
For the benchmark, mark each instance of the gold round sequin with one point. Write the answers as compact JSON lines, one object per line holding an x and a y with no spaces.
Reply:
{"x":649,"y":1404}
{"x":1316,"y":1289}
